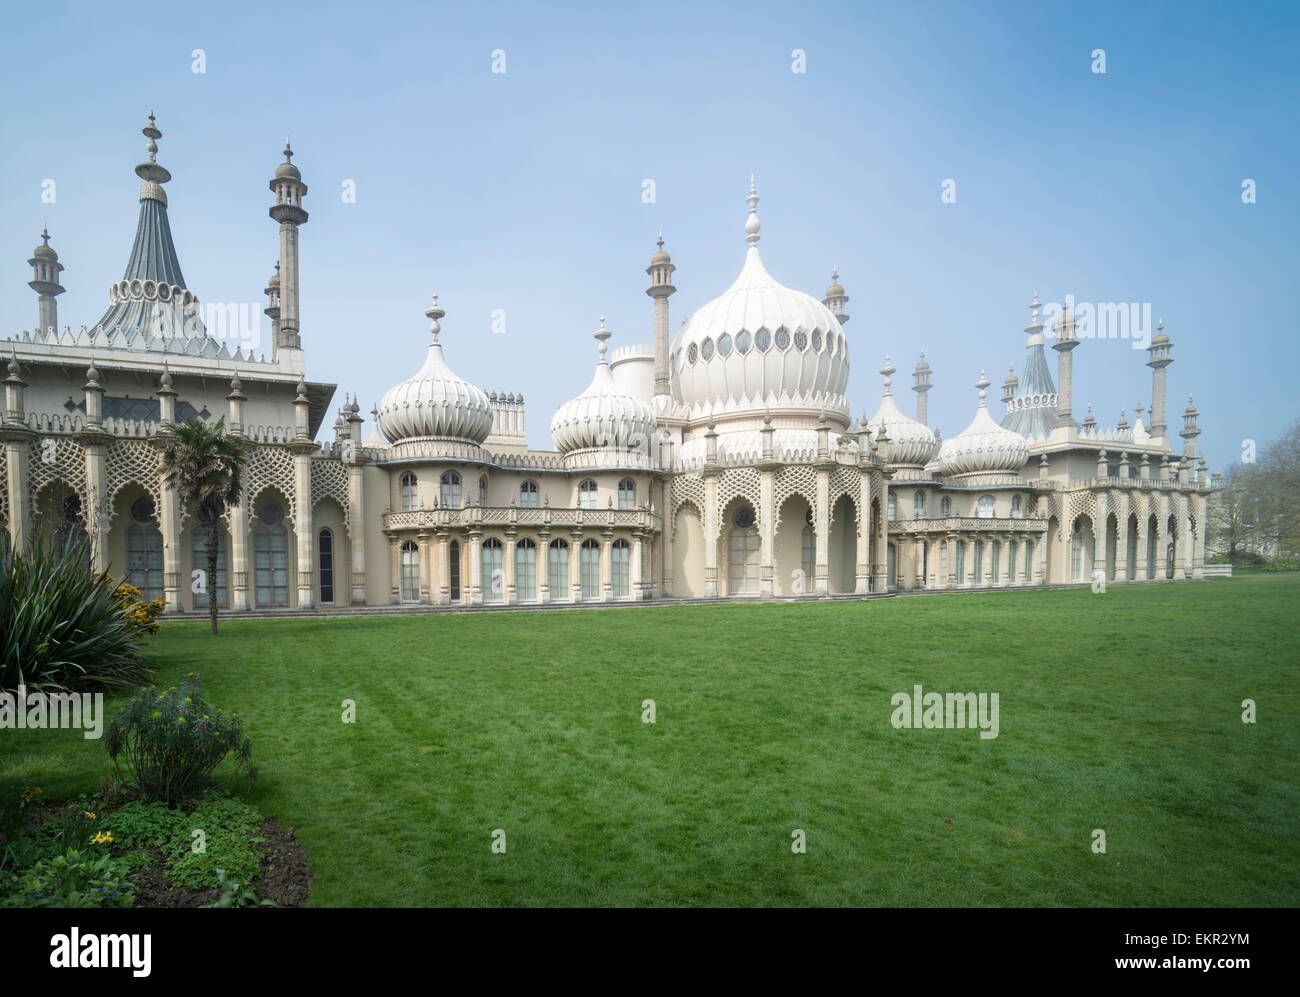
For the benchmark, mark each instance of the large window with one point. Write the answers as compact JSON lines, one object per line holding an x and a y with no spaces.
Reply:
{"x":893,"y":506}
{"x":918,"y":505}
{"x":960,"y":561}
{"x":528,"y":495}
{"x":590,"y":569}
{"x":1011,"y":562}
{"x":526,"y":570}
{"x":449,"y":490}
{"x":587,"y":495}
{"x":986,"y":507}
{"x":144,"y":560}
{"x":270,"y":558}
{"x":482,"y":490}
{"x":945,"y":507}
{"x":1016,"y":512}
{"x":410,"y":496}
{"x":979,"y":562}
{"x":494,"y":576}
{"x":325,"y":546}
{"x":198,"y":547}
{"x":557,"y":566}
{"x":742,"y":563}
{"x":995,"y":555}
{"x":808,"y":553}
{"x":1076,"y":553}
{"x":410,"y":591}
{"x":620,"y":568}
{"x":627,"y":494}
{"x":453,"y":570}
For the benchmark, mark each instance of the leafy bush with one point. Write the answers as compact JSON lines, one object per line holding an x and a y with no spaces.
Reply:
{"x":229,"y":838}
{"x":74,"y":878}
{"x":61,"y":626}
{"x":1283,"y":564}
{"x":140,"y":614}
{"x":173,"y":741}
{"x":238,"y":894}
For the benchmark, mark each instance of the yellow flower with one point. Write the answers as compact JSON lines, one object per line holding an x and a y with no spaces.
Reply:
{"x":90,"y":815}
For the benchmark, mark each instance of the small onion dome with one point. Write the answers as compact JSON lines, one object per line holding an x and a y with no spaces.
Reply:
{"x":45,"y":251}
{"x":907,"y":441}
{"x":660,"y":256}
{"x":922,"y":364}
{"x":1160,"y":339}
{"x":435,"y":402}
{"x":983,"y":446}
{"x":603,"y":416}
{"x":287,"y":169}
{"x":836,"y":289}
{"x":1011,"y":380}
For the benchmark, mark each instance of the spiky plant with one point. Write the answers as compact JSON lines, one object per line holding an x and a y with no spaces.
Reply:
{"x":205,"y":466}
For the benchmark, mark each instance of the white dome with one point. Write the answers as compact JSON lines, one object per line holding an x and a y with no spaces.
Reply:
{"x":603,"y":415}
{"x":910,"y":442}
{"x":435,"y":402}
{"x":983,"y":446}
{"x":761,"y":345}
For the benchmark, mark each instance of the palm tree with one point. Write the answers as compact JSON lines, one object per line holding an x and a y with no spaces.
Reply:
{"x":204,"y":465}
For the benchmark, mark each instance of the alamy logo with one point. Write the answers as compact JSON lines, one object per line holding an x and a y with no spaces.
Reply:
{"x":77,"y":951}
{"x":62,"y":710}
{"x":934,"y":710}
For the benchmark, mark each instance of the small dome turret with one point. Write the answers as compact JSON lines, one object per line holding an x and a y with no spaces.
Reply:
{"x":983,"y":446}
{"x":603,"y":416}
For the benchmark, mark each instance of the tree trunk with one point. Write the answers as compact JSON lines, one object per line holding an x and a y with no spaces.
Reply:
{"x":210,"y":548}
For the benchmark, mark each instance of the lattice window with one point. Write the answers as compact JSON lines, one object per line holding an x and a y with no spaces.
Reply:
{"x":132,"y":461}
{"x":740,"y":482}
{"x":329,"y":479}
{"x":270,"y":466}
{"x":66,"y":462}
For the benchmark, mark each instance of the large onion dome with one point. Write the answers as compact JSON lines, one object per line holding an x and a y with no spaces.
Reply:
{"x":603,"y":416}
{"x":983,"y":446}
{"x":909,"y":442}
{"x":761,"y":345}
{"x":435,"y":403}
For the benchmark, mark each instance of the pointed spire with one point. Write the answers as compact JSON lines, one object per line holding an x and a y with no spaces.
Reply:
{"x":982,"y":384}
{"x":433,"y":312}
{"x":601,"y":335}
{"x":888,"y":372}
{"x":752,"y":223}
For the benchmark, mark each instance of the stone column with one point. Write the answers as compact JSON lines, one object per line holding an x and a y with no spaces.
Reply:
{"x":969,"y":571}
{"x":395,"y":567}
{"x":511,"y":594}
{"x":426,"y":568}
{"x":543,"y":566}
{"x":239,"y":551}
{"x":476,"y":567}
{"x":302,"y":519}
{"x":17,"y":441}
{"x":1198,"y":505}
{"x":606,"y":572}
{"x":638,"y":583}
{"x":575,"y":566}
{"x":169,"y":524}
{"x":357,"y":533}
{"x":880,"y":542}
{"x":821,"y":568}
{"x":444,"y":568}
{"x":1006,"y":571}
{"x":712,"y":533}
{"x":767,"y":533}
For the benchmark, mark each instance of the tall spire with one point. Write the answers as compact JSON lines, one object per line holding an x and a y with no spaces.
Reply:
{"x":752,"y":224}
{"x":288,"y":188}
{"x":660,"y":290}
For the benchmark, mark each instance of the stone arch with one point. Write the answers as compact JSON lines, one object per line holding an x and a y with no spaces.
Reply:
{"x":792,"y":572}
{"x":842,"y":546}
{"x":739,"y":547}
{"x":1082,"y":545}
{"x":688,"y":552}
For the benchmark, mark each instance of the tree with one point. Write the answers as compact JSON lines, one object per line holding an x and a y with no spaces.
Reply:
{"x":1231,"y":527}
{"x":204,"y":465}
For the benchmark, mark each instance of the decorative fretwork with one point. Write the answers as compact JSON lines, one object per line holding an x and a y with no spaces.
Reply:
{"x":56,"y":458}
{"x":1082,"y":502}
{"x":130,"y":461}
{"x":329,"y":479}
{"x":269,"y":467}
{"x":686,"y":488}
{"x":740,"y":482}
{"x":795,"y":479}
{"x":4,"y":489}
{"x":847,"y":481}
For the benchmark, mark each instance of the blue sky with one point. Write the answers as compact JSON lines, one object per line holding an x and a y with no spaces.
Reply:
{"x":522,"y":191}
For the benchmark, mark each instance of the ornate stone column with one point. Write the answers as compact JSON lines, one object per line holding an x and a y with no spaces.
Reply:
{"x":638,"y":582}
{"x":712,"y":532}
{"x":426,"y":568}
{"x":606,"y":573}
{"x":357,"y":528}
{"x":766,"y":532}
{"x":444,"y":567}
{"x":575,"y":566}
{"x":395,"y":567}
{"x":543,"y":566}
{"x":511,"y":594}
{"x":476,"y":566}
{"x":302,"y":452}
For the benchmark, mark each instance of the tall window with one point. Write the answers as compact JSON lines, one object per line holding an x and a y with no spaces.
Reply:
{"x":986,"y":507}
{"x":587,"y":495}
{"x":1076,"y":552}
{"x":620,"y":568}
{"x":482,"y":489}
{"x":742,"y":565}
{"x":526,"y":570}
{"x":410,"y":552}
{"x":325,"y":544}
{"x":528,"y":495}
{"x":979,"y":562}
{"x":945,"y":507}
{"x":1015,"y":507}
{"x":918,"y":505}
{"x":960,"y":561}
{"x":1011,"y":562}
{"x":200,"y":552}
{"x":453,"y":570}
{"x":995,"y":555}
{"x":144,"y":561}
{"x":1151,"y":547}
{"x":808,"y":557}
{"x":494,"y":576}
{"x":72,"y":526}
{"x":590,"y":569}
{"x":627,"y":494}
{"x":893,"y":506}
{"x":1029,"y":562}
{"x":449,"y":490}
{"x":410,"y":496}
{"x":270,"y":560}
{"x":557,"y":566}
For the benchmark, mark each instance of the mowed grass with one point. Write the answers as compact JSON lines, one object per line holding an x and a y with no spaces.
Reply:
{"x":1119,"y":711}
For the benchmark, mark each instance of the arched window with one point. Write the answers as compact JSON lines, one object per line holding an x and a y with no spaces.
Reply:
{"x":198,"y":548}
{"x":410,"y":495}
{"x":1015,"y":507}
{"x":270,"y":558}
{"x":144,"y":560}
{"x":453,"y":570}
{"x":587,"y":495}
{"x":526,"y":570}
{"x":325,"y":545}
{"x":528,"y":495}
{"x":742,"y":544}
{"x":557,"y":567}
{"x":945,"y":507}
{"x":627,"y":494}
{"x":72,"y":527}
{"x":410,"y":591}
{"x":494,"y":576}
{"x":893,"y":506}
{"x":482,"y":489}
{"x":979,"y":562}
{"x":986,"y":507}
{"x":620,"y":568}
{"x":449,"y":490}
{"x":590,"y":569}
{"x":1076,"y":552}
{"x":918,"y":505}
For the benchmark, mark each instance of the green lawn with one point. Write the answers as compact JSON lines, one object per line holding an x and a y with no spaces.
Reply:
{"x":1119,"y":711}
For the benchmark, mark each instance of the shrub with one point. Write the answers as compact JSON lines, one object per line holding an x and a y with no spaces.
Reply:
{"x":238,"y":894}
{"x":173,"y":741}
{"x":74,"y":878}
{"x":1283,"y":564}
{"x":61,"y":625}
{"x":230,"y":840}
{"x":143,"y":616}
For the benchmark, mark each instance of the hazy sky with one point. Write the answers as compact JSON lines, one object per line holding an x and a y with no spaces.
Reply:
{"x":523,"y":191}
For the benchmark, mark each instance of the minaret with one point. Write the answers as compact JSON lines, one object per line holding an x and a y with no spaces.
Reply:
{"x":1009,"y":385}
{"x":661,"y":289}
{"x":45,"y":282}
{"x":1066,"y":341}
{"x":921,"y":385}
{"x":836,"y":298}
{"x":1159,"y":351}
{"x":1189,"y":432}
{"x":288,"y":188}
{"x":272,"y":309}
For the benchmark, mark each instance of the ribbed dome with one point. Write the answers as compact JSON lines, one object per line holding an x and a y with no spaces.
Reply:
{"x":910,"y":442}
{"x":435,"y":402}
{"x":603,"y":416}
{"x":761,"y":342}
{"x":983,"y":446}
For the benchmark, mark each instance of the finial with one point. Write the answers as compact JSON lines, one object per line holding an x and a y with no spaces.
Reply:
{"x":45,"y":234}
{"x":166,"y":378}
{"x":288,"y":151}
{"x":752,"y":223}
{"x":982,"y":384}
{"x":835,"y":274}
{"x":433,"y":312}
{"x":660,"y":243}
{"x":601,"y":335}
{"x":1034,"y":307}
{"x":888,"y":371}
{"x":151,"y":132}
